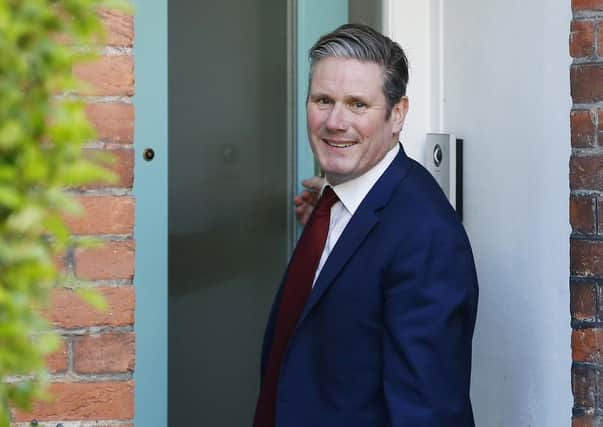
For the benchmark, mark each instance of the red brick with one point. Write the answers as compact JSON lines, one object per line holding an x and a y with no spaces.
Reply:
{"x":586,"y":345}
{"x":586,"y":173}
{"x":107,"y":75}
{"x":582,"y":214}
{"x":103,"y":215}
{"x":582,"y":422}
{"x":84,"y":401}
{"x":112,"y":260}
{"x":582,"y":39}
{"x":70,"y":311}
{"x":587,"y":4}
{"x":587,"y":83}
{"x":119,"y":27}
{"x":59,"y":263}
{"x":585,"y":421}
{"x":584,"y":386}
{"x":600,"y":127}
{"x":586,"y":258}
{"x":122,"y":166}
{"x":57,"y":361}
{"x":600,"y":52}
{"x":583,"y":301}
{"x":114,"y":122}
{"x":583,"y":128}
{"x":105,"y":353}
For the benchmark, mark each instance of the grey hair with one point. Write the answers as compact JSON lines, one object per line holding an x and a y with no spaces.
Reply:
{"x":361,"y":42}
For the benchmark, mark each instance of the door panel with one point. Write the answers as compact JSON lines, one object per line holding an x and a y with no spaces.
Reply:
{"x":228,"y":175}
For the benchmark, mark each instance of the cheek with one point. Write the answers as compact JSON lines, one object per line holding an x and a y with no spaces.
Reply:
{"x":314,"y":120}
{"x":368,"y":129}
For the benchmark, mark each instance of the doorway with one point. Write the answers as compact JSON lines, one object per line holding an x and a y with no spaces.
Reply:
{"x":237,"y":76}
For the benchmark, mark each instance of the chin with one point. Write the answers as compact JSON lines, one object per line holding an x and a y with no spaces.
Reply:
{"x":338,"y":176}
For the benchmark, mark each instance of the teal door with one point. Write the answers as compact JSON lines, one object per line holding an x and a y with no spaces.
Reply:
{"x":225,"y":83}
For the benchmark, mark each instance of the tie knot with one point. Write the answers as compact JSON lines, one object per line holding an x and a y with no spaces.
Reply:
{"x":326,"y":201}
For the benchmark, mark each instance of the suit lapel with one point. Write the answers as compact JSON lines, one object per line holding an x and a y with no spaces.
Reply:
{"x":361,"y":223}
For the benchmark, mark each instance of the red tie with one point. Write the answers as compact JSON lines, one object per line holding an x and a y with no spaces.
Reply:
{"x":296,"y":291}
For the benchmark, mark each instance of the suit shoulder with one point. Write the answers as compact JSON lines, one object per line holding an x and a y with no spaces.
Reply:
{"x":419,"y":206}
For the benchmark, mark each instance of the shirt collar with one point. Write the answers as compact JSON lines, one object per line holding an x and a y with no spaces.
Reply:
{"x":351,"y":193}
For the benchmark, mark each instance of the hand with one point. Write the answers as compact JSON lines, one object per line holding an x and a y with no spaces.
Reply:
{"x":305,"y":202}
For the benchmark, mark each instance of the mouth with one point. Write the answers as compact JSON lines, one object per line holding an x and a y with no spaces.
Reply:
{"x":338,"y":144}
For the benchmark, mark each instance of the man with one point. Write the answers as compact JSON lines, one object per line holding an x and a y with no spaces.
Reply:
{"x":372,"y":325}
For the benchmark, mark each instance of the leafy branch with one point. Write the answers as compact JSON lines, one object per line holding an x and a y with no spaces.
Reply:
{"x":43,"y":129}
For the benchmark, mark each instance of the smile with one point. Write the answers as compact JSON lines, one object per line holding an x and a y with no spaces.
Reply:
{"x":338,"y":144}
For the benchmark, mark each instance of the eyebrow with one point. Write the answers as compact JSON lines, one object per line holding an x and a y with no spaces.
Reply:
{"x":348,"y":98}
{"x":319,"y":95}
{"x":354,"y":98}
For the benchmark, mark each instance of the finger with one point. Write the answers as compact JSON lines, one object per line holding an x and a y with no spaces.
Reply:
{"x":303,"y":212}
{"x":314,"y":183}
{"x":308,"y":196}
{"x":301,"y":215}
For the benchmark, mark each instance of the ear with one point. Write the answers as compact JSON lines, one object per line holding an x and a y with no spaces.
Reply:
{"x":399,"y":114}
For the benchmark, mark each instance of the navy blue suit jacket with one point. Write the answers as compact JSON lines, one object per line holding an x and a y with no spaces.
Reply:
{"x":385,"y":337}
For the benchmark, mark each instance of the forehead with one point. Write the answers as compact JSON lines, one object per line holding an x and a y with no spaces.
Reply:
{"x":333,"y":74}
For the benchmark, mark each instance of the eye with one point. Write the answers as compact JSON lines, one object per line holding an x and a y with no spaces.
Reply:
{"x":323,"y":101}
{"x":358,"y":105}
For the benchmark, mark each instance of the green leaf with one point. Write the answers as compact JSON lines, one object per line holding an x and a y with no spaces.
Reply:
{"x":11,"y":133}
{"x":55,"y":227}
{"x":24,"y":220}
{"x":8,"y":172}
{"x":60,"y":200}
{"x":9,"y":196}
{"x":94,"y":298}
{"x":85,"y":172}
{"x":47,"y":343}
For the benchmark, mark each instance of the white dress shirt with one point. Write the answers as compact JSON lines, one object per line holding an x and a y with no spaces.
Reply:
{"x":351,"y":193}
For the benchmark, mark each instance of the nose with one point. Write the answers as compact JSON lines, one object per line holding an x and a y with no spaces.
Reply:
{"x":336,"y":121}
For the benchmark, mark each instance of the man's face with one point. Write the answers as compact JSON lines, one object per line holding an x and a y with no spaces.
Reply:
{"x":348,"y":131}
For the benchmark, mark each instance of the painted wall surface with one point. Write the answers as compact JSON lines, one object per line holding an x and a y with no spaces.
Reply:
{"x":506,"y":91}
{"x":504,"y":83}
{"x":409,"y":23}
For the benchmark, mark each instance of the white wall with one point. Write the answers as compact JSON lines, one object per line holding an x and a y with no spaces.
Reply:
{"x":505,"y":90}
{"x":409,"y":23}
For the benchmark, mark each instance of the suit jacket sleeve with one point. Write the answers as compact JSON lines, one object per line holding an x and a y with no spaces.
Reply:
{"x":430,"y":302}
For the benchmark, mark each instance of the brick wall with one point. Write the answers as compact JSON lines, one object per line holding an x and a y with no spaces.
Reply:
{"x":92,"y":372}
{"x":586,"y":202}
